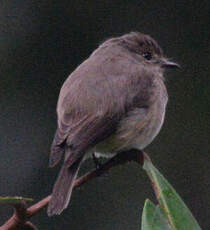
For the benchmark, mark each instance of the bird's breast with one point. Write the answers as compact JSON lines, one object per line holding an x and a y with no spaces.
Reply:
{"x":139,"y":127}
{"x":143,"y":125}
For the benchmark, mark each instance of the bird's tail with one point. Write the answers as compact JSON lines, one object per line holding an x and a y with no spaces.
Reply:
{"x":63,"y":188}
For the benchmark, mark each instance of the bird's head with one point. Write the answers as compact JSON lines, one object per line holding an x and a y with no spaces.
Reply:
{"x":147,"y":49}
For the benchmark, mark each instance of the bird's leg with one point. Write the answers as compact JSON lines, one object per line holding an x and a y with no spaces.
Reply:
{"x":96,"y":161}
{"x":98,"y":165}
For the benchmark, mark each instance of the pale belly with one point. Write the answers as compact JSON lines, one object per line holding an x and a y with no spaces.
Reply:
{"x":151,"y":130}
{"x":137,"y":130}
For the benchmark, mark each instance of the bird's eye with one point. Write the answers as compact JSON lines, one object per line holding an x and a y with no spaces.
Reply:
{"x":147,"y":55}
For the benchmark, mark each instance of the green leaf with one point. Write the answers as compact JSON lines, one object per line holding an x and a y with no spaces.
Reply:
{"x":153,"y":218}
{"x":175,"y":210}
{"x":14,"y":200}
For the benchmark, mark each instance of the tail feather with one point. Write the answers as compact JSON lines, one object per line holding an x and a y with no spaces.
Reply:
{"x":56,"y":155}
{"x":63,"y":188}
{"x":57,"y":148}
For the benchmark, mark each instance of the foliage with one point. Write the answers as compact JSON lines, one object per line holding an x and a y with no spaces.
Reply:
{"x":171,"y":213}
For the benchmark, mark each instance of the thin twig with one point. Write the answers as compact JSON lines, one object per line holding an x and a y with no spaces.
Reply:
{"x":29,"y":226}
{"x":19,"y":220}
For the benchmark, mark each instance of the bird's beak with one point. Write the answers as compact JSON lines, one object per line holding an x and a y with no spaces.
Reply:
{"x":165,"y":63}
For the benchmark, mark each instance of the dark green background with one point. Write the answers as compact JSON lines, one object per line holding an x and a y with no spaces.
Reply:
{"x":41,"y":42}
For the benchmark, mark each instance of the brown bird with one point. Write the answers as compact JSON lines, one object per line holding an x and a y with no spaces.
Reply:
{"x":114,"y":101}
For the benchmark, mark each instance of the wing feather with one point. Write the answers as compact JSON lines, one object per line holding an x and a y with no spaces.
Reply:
{"x":92,"y":102}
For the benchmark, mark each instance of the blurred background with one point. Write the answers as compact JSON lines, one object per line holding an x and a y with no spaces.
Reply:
{"x":41,"y":43}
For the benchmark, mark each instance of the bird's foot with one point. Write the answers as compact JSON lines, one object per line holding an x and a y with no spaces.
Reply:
{"x":96,"y":161}
{"x":98,"y":165}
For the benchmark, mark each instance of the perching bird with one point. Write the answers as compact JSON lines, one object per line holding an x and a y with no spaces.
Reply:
{"x":114,"y":101}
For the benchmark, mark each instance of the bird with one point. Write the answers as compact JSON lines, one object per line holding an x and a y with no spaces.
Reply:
{"x":114,"y":101}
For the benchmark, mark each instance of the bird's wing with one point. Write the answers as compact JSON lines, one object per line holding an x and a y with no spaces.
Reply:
{"x":91,"y":104}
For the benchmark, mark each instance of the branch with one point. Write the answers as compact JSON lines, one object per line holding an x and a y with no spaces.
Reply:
{"x":19,"y":220}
